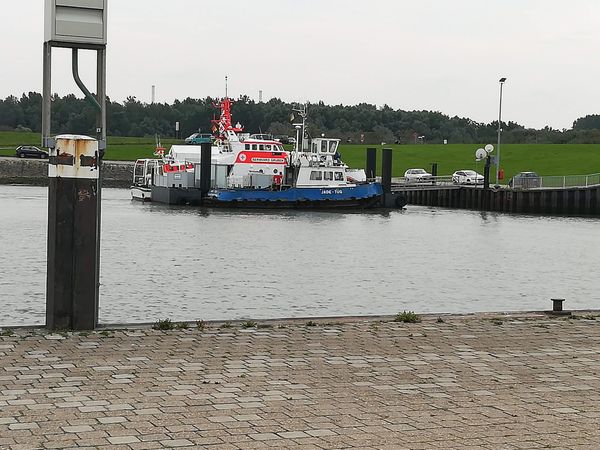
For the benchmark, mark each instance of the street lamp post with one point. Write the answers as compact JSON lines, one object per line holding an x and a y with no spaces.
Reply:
{"x":501,"y":81}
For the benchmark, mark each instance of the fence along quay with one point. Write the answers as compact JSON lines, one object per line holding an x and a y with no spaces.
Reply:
{"x":577,"y":195}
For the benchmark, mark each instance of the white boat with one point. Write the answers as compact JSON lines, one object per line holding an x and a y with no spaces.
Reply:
{"x":256,"y":171}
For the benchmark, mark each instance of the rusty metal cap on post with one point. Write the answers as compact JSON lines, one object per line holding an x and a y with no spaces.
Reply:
{"x":74,"y":156}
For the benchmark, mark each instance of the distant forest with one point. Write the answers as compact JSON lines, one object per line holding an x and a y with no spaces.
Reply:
{"x":364,"y":122}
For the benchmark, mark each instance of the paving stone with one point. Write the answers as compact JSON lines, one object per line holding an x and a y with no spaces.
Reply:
{"x":531,"y":382}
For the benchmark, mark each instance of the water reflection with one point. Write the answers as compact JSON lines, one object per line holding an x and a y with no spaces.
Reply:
{"x":197,"y":263}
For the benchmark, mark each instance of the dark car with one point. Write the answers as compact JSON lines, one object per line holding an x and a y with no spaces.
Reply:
{"x":525,"y":180}
{"x":30,"y":151}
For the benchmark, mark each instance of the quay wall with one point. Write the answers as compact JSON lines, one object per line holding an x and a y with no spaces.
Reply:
{"x":570,"y":201}
{"x":35,"y":172}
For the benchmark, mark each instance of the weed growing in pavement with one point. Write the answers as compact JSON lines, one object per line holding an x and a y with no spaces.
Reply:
{"x":200,"y":324}
{"x":226,"y":325}
{"x":249,"y":324}
{"x":440,"y":320}
{"x":496,"y":321}
{"x":311,"y":323}
{"x":407,"y":317}
{"x":163,"y":324}
{"x":182,"y":325}
{"x":7,"y":332}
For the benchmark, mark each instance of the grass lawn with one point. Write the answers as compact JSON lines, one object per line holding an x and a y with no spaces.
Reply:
{"x":545,"y":159}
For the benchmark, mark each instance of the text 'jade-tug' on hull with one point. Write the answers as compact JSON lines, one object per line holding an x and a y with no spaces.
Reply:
{"x":255,"y":171}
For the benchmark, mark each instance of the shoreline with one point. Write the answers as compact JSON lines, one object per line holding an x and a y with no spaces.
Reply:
{"x":575,"y":314}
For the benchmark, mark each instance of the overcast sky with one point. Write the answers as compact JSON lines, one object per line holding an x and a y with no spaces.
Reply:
{"x":410,"y":54}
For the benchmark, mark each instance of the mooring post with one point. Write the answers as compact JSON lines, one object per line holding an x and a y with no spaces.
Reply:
{"x":73,"y":230}
{"x":557,"y":304}
{"x":486,"y":173}
{"x":434,"y":169}
{"x":386,"y":170}
{"x":205,"y":167}
{"x":557,"y":307}
{"x":371,"y":163}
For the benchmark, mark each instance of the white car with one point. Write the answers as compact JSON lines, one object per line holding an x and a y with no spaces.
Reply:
{"x":467,"y":177}
{"x":417,"y":175}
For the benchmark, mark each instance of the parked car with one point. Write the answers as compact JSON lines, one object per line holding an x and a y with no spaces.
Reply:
{"x":283,"y":139}
{"x":417,"y":175}
{"x":199,"y":138}
{"x":525,"y":180}
{"x":467,"y":177}
{"x":30,"y":151}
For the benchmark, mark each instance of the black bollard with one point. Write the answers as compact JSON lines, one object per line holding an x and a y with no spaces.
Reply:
{"x":557,"y":304}
{"x":371,"y":163}
{"x":73,"y":234}
{"x":205,"y":168}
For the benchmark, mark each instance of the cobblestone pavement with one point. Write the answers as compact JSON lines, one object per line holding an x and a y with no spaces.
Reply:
{"x":469,"y":382}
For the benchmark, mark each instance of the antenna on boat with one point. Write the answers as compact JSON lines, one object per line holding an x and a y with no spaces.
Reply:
{"x":300,"y":129}
{"x":225,"y":86}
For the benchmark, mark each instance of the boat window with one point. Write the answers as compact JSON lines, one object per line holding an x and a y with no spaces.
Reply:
{"x":328,"y":176}
{"x":280,"y":148}
{"x":316,"y":175}
{"x":314,"y":147}
{"x":323,"y":146}
{"x":261,"y":146}
{"x":333,"y":146}
{"x":247,"y":146}
{"x":253,"y":146}
{"x":339,"y":176}
{"x":268,"y":147}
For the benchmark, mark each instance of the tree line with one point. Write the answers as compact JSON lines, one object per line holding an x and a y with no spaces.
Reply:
{"x":364,"y":122}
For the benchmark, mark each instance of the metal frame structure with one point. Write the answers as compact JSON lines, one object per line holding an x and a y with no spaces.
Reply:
{"x":75,"y":176}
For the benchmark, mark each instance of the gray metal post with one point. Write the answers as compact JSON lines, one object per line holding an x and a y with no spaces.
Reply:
{"x":100,"y":125}
{"x":101,"y":98}
{"x":502,"y":80}
{"x":47,"y":96}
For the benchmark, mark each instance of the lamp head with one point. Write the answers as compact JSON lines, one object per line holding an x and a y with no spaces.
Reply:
{"x":502,"y":80}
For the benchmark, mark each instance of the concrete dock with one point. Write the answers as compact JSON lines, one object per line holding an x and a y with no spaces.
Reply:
{"x":488,"y":381}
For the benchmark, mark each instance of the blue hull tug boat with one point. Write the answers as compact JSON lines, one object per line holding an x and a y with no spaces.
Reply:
{"x":253,"y":171}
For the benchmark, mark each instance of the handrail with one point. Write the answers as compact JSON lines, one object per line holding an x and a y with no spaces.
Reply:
{"x":557,"y":182}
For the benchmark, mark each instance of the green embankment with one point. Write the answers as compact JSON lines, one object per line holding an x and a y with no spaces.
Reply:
{"x":545,"y":159}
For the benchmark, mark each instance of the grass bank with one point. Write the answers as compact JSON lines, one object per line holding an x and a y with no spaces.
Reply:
{"x":546,"y":159}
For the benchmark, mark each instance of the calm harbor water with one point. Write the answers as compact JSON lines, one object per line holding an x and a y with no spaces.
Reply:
{"x":191,"y":263}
